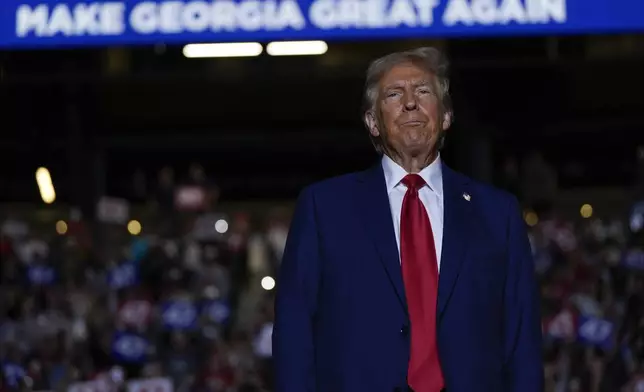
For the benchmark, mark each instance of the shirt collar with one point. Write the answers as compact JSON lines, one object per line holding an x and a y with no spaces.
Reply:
{"x":432,"y":174}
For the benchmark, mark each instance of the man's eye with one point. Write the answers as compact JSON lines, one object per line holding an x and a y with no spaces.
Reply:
{"x":425,"y":91}
{"x":392,"y":94}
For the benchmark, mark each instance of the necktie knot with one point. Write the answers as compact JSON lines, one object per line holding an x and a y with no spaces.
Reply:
{"x":413,"y":182}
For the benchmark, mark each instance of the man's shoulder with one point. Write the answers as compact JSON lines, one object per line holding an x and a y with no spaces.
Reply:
{"x":332,"y":196}
{"x":335,"y":186}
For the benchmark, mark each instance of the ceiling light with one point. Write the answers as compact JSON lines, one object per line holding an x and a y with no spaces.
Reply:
{"x":296,"y":48}
{"x":239,"y":49}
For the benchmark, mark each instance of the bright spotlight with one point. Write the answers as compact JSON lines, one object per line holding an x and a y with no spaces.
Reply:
{"x":531,"y":218}
{"x":61,"y":227}
{"x":134,"y":227}
{"x":45,"y":185}
{"x":221,"y":226}
{"x":268,"y":283}
{"x":586,"y":211}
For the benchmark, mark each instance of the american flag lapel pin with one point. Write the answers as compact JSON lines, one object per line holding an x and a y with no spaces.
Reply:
{"x":467,"y":196}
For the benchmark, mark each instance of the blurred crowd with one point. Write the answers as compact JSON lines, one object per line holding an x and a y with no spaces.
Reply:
{"x":592,"y":287}
{"x":182,"y":300}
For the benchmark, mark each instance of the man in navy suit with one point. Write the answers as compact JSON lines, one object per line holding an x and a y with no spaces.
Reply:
{"x":408,"y":276}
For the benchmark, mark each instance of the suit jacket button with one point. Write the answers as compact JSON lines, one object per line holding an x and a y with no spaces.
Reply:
{"x":404,"y":330}
{"x":397,"y":389}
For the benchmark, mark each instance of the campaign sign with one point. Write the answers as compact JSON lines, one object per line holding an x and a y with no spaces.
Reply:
{"x":179,"y":314}
{"x":13,"y":373}
{"x":217,"y":310}
{"x":636,"y":221}
{"x":41,"y":275}
{"x":634,"y":259}
{"x":122,"y":276}
{"x":135,"y":313}
{"x":159,"y":384}
{"x":42,"y":23}
{"x":561,"y":326}
{"x":113,"y":210}
{"x":129,"y":347}
{"x":596,"y":332}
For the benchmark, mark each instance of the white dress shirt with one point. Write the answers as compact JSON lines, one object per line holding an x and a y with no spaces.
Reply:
{"x":431,"y":195}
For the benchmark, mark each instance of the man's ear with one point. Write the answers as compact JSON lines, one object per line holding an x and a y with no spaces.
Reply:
{"x":447,"y":120}
{"x":372,"y":124}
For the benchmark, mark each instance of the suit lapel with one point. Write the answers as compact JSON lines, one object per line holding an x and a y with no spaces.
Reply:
{"x":457,"y":217}
{"x":372,"y":203}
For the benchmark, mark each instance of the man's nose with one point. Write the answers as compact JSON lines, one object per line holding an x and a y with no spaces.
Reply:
{"x":410,"y":101}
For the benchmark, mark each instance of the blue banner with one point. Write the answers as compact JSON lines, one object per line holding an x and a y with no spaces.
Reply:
{"x":42,"y":23}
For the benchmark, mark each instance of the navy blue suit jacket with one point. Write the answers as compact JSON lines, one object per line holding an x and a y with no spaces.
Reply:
{"x":341,"y":320}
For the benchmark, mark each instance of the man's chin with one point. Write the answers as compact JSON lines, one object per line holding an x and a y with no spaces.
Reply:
{"x":415,"y":150}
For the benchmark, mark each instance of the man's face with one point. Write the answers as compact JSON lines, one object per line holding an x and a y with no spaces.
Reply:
{"x":409,"y":112}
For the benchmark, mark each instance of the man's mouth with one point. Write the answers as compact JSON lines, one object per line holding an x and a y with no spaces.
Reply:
{"x":414,"y":123}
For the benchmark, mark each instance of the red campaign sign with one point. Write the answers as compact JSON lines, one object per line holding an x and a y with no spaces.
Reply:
{"x":562,"y":326}
{"x":150,"y":385}
{"x":135,"y":313}
{"x":190,"y":198}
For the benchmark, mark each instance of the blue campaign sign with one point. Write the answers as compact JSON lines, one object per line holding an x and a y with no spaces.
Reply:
{"x":179,"y":314}
{"x":596,"y":332}
{"x":41,"y":275}
{"x":129,"y":347}
{"x":48,"y":23}
{"x":216,"y":310}
{"x":122,"y":276}
{"x":13,"y":373}
{"x":634,"y":259}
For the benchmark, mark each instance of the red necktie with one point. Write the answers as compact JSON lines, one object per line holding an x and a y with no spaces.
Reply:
{"x":420,"y":273}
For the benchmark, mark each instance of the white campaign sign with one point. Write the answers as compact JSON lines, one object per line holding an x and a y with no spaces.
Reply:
{"x":150,"y":385}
